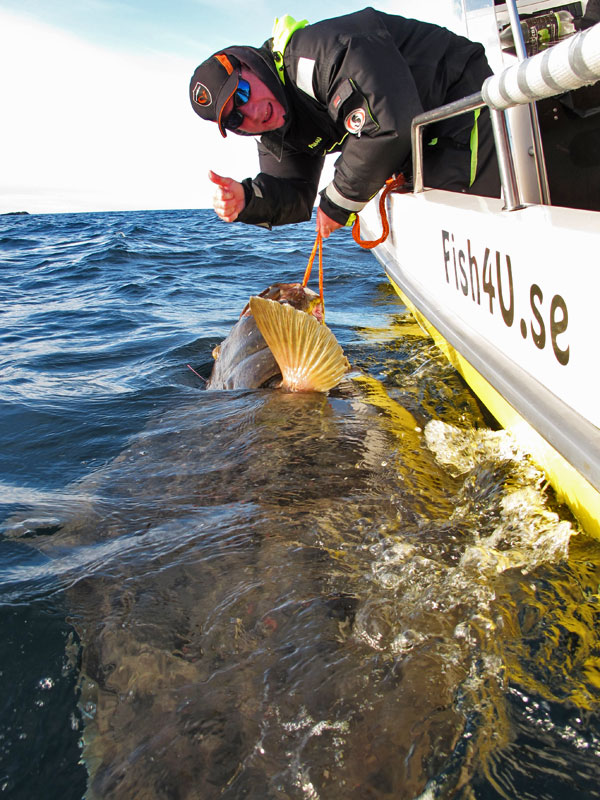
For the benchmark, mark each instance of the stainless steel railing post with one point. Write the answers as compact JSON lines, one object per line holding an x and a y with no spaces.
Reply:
{"x":506,"y":164}
{"x":416,"y":137}
{"x":538,"y":150}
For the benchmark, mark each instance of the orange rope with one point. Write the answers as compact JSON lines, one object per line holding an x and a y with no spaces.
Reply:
{"x":320,"y":238}
{"x":318,"y":241}
{"x":318,"y":244}
{"x":390,"y":185}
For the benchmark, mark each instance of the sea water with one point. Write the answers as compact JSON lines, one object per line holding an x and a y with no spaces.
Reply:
{"x":253,"y":594}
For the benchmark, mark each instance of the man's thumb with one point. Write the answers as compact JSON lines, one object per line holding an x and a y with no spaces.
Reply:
{"x":218,"y":179}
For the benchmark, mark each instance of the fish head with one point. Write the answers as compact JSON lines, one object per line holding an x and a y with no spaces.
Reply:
{"x":289,"y":345}
{"x":294,"y":294}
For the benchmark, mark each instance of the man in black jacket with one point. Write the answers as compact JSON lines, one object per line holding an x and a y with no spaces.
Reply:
{"x":351,"y":85}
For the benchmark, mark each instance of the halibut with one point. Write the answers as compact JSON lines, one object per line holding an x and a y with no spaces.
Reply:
{"x":280,"y":340}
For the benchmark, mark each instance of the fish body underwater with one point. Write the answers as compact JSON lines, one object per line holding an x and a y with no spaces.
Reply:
{"x":280,"y":340}
{"x":313,"y":614}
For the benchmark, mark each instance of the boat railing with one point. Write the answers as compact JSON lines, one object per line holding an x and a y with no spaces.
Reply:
{"x":571,"y":64}
{"x":536,"y":135}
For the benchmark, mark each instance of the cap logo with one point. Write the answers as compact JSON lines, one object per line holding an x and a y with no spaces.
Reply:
{"x":201,"y":95}
{"x":355,"y":120}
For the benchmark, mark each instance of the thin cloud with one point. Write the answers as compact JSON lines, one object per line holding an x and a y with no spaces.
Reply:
{"x":94,"y":129}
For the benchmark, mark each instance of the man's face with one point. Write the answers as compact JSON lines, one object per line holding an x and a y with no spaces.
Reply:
{"x":263,"y":112}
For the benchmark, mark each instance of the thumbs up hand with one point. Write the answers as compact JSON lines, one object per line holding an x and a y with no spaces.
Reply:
{"x":229,"y":198}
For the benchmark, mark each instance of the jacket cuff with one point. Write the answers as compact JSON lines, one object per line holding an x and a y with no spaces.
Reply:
{"x":251,"y":213}
{"x":338,"y":207}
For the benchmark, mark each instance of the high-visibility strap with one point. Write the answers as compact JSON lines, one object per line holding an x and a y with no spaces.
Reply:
{"x":283,"y":29}
{"x":474,"y":146}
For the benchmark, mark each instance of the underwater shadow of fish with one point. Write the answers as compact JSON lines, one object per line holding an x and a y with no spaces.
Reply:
{"x":219,"y":627}
{"x":259,"y":631}
{"x":281,"y":341}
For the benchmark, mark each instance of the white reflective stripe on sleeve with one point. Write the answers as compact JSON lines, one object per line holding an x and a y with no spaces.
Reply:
{"x":341,"y":201}
{"x":306,"y":67}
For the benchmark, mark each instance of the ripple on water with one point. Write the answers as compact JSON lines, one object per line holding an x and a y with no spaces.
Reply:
{"x":369,"y":594}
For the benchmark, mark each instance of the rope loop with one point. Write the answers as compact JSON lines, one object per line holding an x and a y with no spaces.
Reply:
{"x":391,"y":185}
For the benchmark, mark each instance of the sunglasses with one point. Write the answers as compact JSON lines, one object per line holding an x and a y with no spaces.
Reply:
{"x":240,"y":98}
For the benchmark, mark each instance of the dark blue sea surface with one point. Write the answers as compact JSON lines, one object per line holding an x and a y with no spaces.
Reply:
{"x":254,"y":594}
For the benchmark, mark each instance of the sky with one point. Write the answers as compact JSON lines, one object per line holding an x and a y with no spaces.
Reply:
{"x":94,"y":98}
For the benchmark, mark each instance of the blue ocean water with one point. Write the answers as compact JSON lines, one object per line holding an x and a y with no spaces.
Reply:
{"x":369,"y":594}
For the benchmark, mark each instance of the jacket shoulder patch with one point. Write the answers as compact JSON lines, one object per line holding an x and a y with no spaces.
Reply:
{"x":349,"y":107}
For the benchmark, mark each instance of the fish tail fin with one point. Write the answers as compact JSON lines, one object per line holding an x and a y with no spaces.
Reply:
{"x":307,"y":352}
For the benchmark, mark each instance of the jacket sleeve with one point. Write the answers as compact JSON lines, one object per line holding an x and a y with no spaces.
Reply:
{"x":373,"y":93}
{"x":284,"y":191}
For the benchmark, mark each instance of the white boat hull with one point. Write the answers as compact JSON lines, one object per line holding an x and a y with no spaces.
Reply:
{"x":512,"y":299}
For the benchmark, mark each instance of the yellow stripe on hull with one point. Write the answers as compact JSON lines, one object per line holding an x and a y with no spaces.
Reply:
{"x":570,"y":486}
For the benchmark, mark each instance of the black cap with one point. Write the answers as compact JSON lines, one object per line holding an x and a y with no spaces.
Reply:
{"x":213,"y":83}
